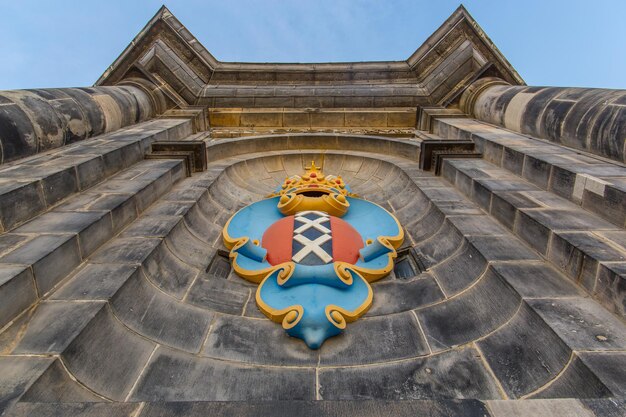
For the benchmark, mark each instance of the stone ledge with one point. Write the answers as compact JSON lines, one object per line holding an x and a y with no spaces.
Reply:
{"x":31,"y":186}
{"x":594,"y":183}
{"x":574,"y":240}
{"x":50,"y":246}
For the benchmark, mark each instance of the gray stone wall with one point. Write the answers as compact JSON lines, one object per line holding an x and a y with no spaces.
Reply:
{"x":589,"y":119}
{"x":33,"y":121}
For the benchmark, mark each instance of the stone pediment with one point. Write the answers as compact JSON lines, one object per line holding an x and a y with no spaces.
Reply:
{"x":168,"y":55}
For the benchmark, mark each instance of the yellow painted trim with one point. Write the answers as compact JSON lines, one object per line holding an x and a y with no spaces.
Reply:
{"x":346,"y":315}
{"x":284,"y":316}
{"x":331,"y":203}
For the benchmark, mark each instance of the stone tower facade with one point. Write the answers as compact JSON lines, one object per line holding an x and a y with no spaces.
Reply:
{"x":119,"y":298}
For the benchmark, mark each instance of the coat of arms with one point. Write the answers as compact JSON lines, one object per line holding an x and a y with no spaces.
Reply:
{"x":313,"y":247}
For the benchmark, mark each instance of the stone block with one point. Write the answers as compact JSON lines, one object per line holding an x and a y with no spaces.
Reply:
{"x":95,"y":282}
{"x":535,"y":280}
{"x":328,"y":119}
{"x":610,"y":204}
{"x":610,"y":407}
{"x":367,"y":119}
{"x":525,"y":354}
{"x":18,"y":373}
{"x":398,"y":296}
{"x":576,"y":381}
{"x":503,"y":210}
{"x":92,"y":228}
{"x":481,"y":195}
{"x":611,"y":287}
{"x":17,"y":291}
{"x":256,"y":341}
{"x":168,"y":272}
{"x":582,"y":323}
{"x":356,"y":408}
{"x":129,"y":251}
{"x":43,"y":409}
{"x":51,"y":257}
{"x":189,"y":248}
{"x":107,"y":357}
{"x":533,"y":232}
{"x":440,"y":246}
{"x":579,"y":253}
{"x":475,"y":313}
{"x":492,"y":152}
{"x":457,"y":373}
{"x":609,"y":367}
{"x":176,"y":376}
{"x":9,"y":241}
{"x":19,"y":201}
{"x":476,"y":225}
{"x":461,"y":270}
{"x":568,"y":220}
{"x":513,"y":160}
{"x":546,"y":408}
{"x":225,"y":118}
{"x":562,"y":181}
{"x":425,"y":226}
{"x":502,"y":248}
{"x":149,"y":312}
{"x":261,"y":119}
{"x":54,"y":325}
{"x":90,"y":172}
{"x":537,"y":171}
{"x":151,"y":226}
{"x":17,"y":134}
{"x":56,"y":386}
{"x":374,"y":340}
{"x":219,"y":295}
{"x":58,"y":186}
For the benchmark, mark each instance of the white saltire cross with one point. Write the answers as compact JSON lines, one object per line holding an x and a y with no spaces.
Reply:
{"x":308,"y":223}
{"x":314,"y":246}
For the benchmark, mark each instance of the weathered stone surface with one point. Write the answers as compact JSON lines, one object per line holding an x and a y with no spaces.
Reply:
{"x":582,"y":323}
{"x":373,"y":340}
{"x":149,"y":312}
{"x":92,"y":229}
{"x":454,"y":374}
{"x":606,"y":408}
{"x":95,"y":282}
{"x":56,"y":386}
{"x":524,"y":354}
{"x":535,"y":280}
{"x":177,"y":376}
{"x":475,"y":313}
{"x":74,"y":409}
{"x":256,"y":341}
{"x":17,"y":291}
{"x":397,"y":296}
{"x":461,"y":270}
{"x":51,"y":257}
{"x":360,"y":408}
{"x":576,"y":381}
{"x":54,"y":325}
{"x":47,"y":123}
{"x":107,"y":357}
{"x":609,"y":367}
{"x":545,"y":408}
{"x":219,"y":295}
{"x":18,"y":373}
{"x":20,"y":201}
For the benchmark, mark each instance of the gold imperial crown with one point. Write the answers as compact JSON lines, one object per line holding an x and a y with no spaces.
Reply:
{"x":313,"y":191}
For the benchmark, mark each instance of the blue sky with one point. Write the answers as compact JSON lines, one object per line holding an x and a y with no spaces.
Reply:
{"x":62,"y":43}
